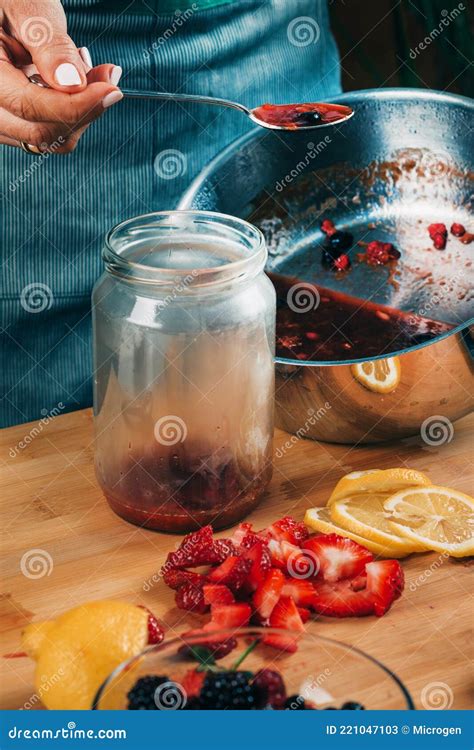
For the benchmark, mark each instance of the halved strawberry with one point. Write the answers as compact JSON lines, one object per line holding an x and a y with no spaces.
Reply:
{"x":288,"y":530}
{"x":301,"y":591}
{"x":370,"y":594}
{"x":232,"y":572}
{"x":175,"y":578}
{"x":299,"y":563}
{"x":217,"y":593}
{"x":276,"y":554}
{"x":285,"y":615}
{"x":337,"y":557}
{"x":191,"y":598}
{"x":268,"y":593}
{"x":228,"y":616}
{"x":385,"y":581}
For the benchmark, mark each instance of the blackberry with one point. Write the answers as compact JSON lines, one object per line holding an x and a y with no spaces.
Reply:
{"x":270,"y":687}
{"x":296,"y":703}
{"x":142,"y":695}
{"x":228,"y":690}
{"x":193,"y":704}
{"x":352,"y":706}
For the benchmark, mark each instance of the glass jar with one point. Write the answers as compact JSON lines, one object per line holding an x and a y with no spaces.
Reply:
{"x":184,"y":338}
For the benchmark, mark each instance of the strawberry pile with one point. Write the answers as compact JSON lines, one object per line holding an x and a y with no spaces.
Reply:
{"x":277,"y":577}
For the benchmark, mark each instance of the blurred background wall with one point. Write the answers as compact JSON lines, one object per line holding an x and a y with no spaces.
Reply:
{"x":421,"y":43}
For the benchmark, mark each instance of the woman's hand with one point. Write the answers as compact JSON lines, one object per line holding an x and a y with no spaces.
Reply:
{"x":34,"y":33}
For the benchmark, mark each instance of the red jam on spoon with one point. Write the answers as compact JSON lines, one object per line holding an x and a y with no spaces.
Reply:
{"x":296,"y":116}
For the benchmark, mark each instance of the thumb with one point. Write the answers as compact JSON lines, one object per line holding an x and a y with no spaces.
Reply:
{"x":45,"y":37}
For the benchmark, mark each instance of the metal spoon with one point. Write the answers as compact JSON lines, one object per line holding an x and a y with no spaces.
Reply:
{"x":274,"y":117}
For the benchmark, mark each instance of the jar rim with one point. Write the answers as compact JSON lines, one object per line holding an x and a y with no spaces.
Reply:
{"x":248,"y":266}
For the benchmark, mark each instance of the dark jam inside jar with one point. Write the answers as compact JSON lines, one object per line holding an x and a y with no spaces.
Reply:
{"x":339,"y":327}
{"x":295,"y":116}
{"x":184,"y":487}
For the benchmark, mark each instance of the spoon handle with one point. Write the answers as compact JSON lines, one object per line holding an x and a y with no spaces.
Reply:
{"x":138,"y":94}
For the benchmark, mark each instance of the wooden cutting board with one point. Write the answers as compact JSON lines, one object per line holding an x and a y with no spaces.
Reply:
{"x":50,"y":501}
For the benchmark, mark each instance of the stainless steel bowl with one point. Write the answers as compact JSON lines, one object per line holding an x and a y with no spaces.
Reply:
{"x":403,"y":161}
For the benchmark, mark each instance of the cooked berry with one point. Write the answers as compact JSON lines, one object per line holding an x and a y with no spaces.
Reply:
{"x":142,"y":696}
{"x":439,"y":241}
{"x":229,"y":690}
{"x":379,"y":253}
{"x":340,"y":241}
{"x":327,"y":226}
{"x":305,"y":119}
{"x":352,"y":706}
{"x":342,"y":263}
{"x":271,"y":688}
{"x":458,"y":230}
{"x":437,"y":229}
{"x":296,"y":703}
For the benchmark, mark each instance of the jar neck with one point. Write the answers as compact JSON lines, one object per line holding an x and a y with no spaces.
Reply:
{"x":187,"y":251}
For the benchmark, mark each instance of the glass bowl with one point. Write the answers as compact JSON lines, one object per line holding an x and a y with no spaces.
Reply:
{"x":325,"y":672}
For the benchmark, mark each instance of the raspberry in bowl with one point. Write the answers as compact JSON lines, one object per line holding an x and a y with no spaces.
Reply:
{"x":236,"y":670}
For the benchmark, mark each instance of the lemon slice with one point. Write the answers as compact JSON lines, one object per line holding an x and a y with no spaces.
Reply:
{"x":380,"y":375}
{"x":377,"y":480}
{"x":320,"y":520}
{"x":439,"y":518}
{"x":365,"y":515}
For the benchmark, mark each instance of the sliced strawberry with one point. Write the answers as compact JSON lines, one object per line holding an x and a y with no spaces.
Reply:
{"x":299,"y":563}
{"x":304,"y":613}
{"x":217,"y":593}
{"x":261,"y":563}
{"x":228,"y":616}
{"x":276,"y":554}
{"x":268,"y":593}
{"x":286,"y":616}
{"x":191,"y":598}
{"x":337,"y":557}
{"x":340,"y":600}
{"x":241,"y":531}
{"x":385,"y":581}
{"x":155,"y":632}
{"x":175,"y":578}
{"x":192,"y":682}
{"x":301,"y":591}
{"x":288,"y":530}
{"x":232,"y":572}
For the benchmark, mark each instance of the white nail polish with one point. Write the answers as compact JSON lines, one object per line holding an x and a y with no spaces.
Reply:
{"x":86,"y":57}
{"x":67,"y":75}
{"x":115,"y":75}
{"x":112,"y":98}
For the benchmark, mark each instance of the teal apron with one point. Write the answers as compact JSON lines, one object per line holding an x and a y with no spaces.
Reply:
{"x":139,"y":157}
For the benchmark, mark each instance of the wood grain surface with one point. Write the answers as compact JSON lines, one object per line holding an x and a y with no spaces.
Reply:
{"x":50,"y":500}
